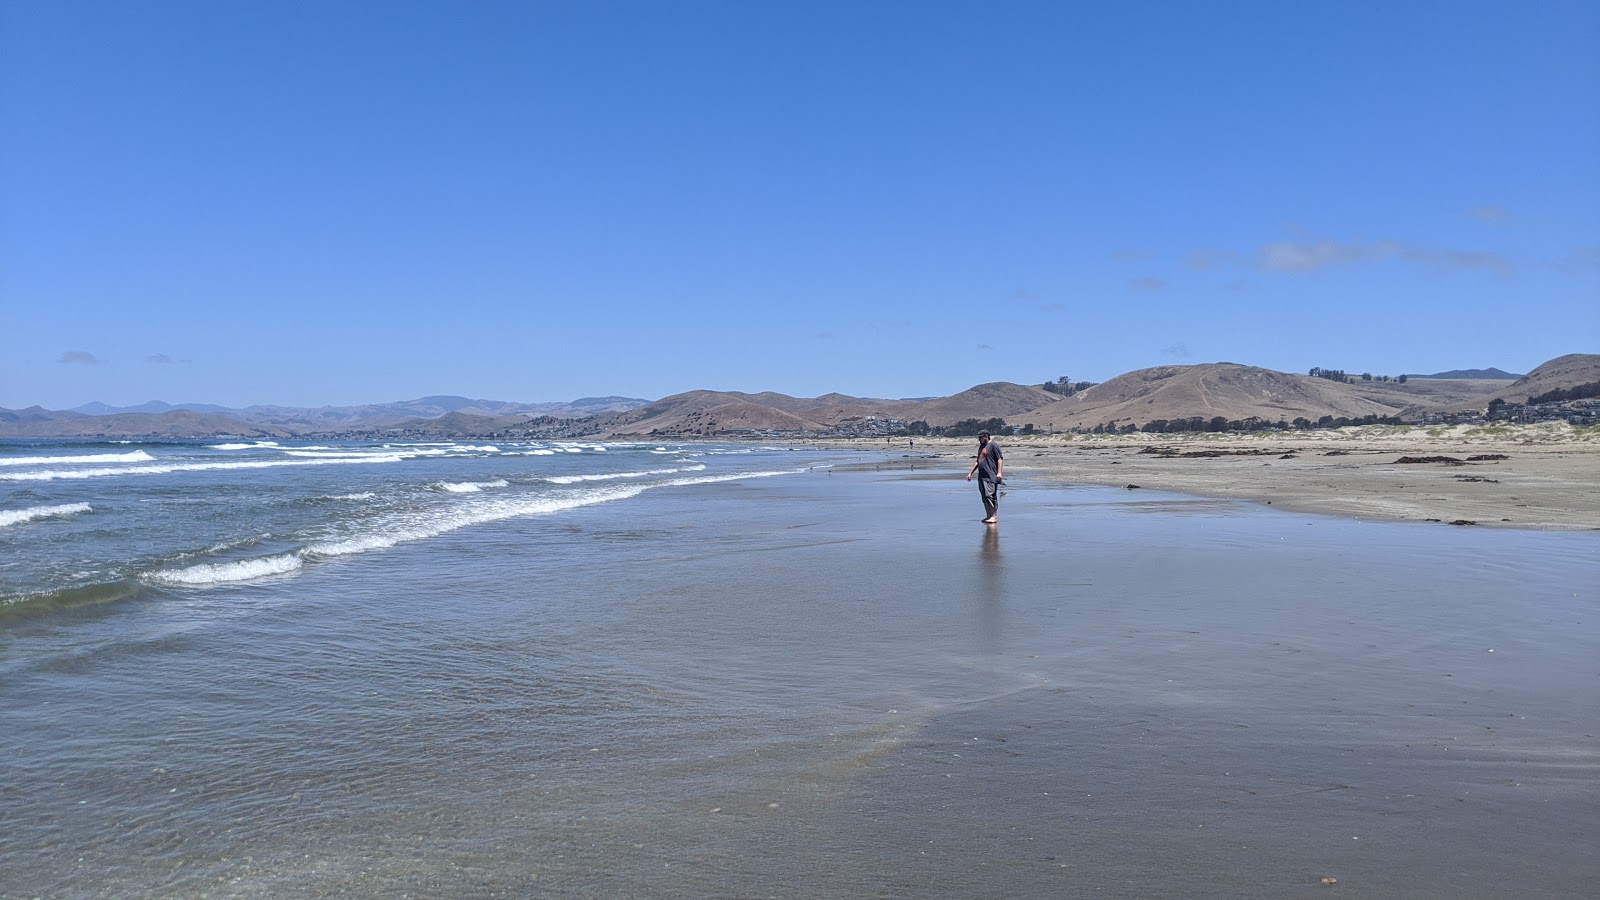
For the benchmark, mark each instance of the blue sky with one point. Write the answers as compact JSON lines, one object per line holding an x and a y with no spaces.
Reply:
{"x":331,"y":203}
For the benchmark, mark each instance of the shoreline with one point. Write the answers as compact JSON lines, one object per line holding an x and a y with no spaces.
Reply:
{"x":1537,"y":477}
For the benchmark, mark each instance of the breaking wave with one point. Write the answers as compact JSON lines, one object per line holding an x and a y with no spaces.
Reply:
{"x":17,"y":517}
{"x":470,"y":487}
{"x":168,"y":468}
{"x":225,"y":573}
{"x":613,"y":476}
{"x":84,"y":460}
{"x":416,"y":528}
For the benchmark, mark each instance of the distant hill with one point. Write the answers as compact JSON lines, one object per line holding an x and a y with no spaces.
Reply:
{"x":1471,"y":373}
{"x":177,"y":423}
{"x":997,"y":399}
{"x":154,"y":406}
{"x":280,"y":421}
{"x":1230,"y":391}
{"x":1562,"y":372}
{"x":697,"y":413}
{"x":1208,"y":390}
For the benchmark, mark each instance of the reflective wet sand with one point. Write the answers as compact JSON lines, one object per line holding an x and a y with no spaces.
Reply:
{"x":835,"y":685}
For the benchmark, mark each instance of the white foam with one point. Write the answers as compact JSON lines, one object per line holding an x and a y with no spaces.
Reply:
{"x":736,"y":476}
{"x":364,"y":495}
{"x":53,"y":474}
{"x":335,"y":453}
{"x":434,"y":523}
{"x":18,"y":516}
{"x":613,"y":476}
{"x":257,"y":445}
{"x":225,"y":573}
{"x":470,"y":487}
{"x":84,"y":460}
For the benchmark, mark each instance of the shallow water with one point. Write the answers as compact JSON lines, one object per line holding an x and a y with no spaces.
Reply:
{"x":738,"y":687}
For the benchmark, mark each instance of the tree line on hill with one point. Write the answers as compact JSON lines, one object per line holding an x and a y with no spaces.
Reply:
{"x":999,"y":427}
{"x":1340,"y":376}
{"x":1561,"y":395}
{"x":1065,"y":386}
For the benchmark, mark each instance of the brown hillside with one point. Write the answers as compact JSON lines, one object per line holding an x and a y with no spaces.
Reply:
{"x":1562,"y":372}
{"x":1430,"y":395}
{"x":832,"y":409}
{"x":459,"y":422}
{"x":176,"y":423}
{"x":1208,"y":390}
{"x":706,"y":413}
{"x":997,"y":399}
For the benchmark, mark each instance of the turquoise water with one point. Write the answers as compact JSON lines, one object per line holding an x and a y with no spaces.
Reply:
{"x":642,"y":670}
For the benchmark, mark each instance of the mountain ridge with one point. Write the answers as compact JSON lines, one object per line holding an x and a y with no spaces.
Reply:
{"x":1225,"y":390}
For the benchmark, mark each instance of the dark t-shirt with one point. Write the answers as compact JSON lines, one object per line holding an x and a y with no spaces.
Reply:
{"x":989,"y":461}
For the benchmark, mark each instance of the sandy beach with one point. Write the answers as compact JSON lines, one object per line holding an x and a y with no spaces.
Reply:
{"x":1536,"y":476}
{"x":771,"y":675}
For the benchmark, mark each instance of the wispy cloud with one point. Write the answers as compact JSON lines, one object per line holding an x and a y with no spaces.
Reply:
{"x":1289,"y":256}
{"x":1032,"y":301}
{"x":1211,"y":258}
{"x":78,"y":358}
{"x":890,"y":324}
{"x":985,"y":347}
{"x":1580,"y":259}
{"x":160,"y":359}
{"x":1493,"y":215}
{"x":1176,"y":351}
{"x":1148,"y":284}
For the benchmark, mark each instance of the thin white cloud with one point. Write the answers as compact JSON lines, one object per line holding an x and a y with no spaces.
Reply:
{"x":1289,"y":256}
{"x":1580,"y":259}
{"x":1493,"y":215}
{"x":985,"y":347}
{"x":1029,"y":299}
{"x":1148,"y":284}
{"x":1211,"y":258}
{"x":160,"y":359}
{"x":78,"y":358}
{"x":1177,"y":350}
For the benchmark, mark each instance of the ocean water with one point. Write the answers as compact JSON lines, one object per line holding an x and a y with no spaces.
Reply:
{"x":527,"y":669}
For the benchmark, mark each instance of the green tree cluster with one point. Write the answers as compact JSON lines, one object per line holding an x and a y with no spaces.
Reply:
{"x":1561,"y":395}
{"x":1065,"y":386}
{"x":970,"y":428}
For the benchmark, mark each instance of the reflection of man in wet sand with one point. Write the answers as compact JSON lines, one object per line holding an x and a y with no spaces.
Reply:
{"x":990,"y":469}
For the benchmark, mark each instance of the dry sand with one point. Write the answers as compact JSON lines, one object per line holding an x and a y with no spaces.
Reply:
{"x":1548,"y":476}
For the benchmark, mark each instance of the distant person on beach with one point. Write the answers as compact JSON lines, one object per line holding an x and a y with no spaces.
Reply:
{"x":991,"y":471}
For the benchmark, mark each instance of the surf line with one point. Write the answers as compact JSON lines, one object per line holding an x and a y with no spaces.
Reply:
{"x":432,"y":524}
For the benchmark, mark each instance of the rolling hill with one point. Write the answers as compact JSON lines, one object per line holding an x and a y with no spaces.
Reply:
{"x":1562,"y":372}
{"x":1209,"y":390}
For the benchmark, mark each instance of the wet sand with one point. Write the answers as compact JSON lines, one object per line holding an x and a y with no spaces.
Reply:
{"x":839,"y":684}
{"x":1545,"y":477}
{"x":1232,"y":701}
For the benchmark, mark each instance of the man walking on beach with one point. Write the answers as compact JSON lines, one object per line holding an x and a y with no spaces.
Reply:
{"x":990,"y":469}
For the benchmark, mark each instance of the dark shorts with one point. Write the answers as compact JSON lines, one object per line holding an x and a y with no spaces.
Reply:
{"x":990,"y":491}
